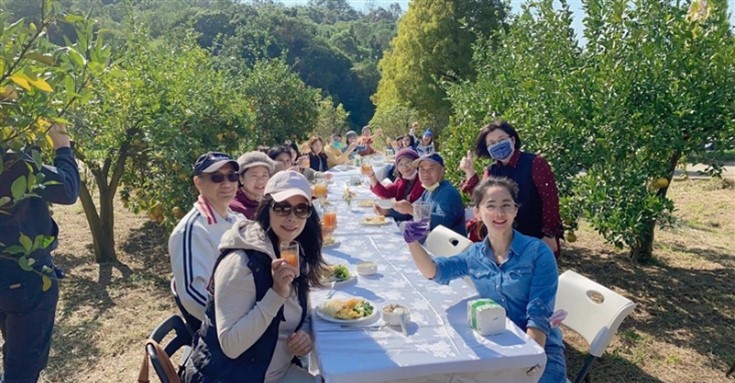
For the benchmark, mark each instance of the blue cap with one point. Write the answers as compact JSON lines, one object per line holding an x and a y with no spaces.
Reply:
{"x":212,"y":161}
{"x":430,"y":157}
{"x":428,"y":133}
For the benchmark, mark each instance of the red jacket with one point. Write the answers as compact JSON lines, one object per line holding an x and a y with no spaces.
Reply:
{"x":398,"y":190}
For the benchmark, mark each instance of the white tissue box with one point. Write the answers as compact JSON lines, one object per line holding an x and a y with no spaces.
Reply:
{"x":485,"y":316}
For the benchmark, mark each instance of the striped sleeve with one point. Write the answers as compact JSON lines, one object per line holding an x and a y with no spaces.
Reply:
{"x":192,"y":255}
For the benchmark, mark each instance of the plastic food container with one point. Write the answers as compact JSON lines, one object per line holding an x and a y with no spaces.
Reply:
{"x":392,"y":314}
{"x":367,"y":268}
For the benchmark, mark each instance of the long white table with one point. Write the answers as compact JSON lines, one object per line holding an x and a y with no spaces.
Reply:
{"x":440,"y":346}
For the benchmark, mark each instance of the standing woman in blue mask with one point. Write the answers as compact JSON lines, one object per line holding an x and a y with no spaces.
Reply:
{"x":538,"y":213}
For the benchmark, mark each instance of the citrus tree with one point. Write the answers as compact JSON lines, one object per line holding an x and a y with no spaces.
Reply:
{"x":40,"y":84}
{"x":153,"y":112}
{"x":654,"y":83}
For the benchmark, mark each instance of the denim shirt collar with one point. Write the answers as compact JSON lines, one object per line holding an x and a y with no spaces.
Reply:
{"x":517,"y":245}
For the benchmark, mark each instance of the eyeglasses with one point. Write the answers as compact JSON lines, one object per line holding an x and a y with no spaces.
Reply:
{"x":491,"y":143}
{"x":505,"y":208}
{"x":404,"y":164}
{"x":219,"y":177}
{"x":282,"y":209}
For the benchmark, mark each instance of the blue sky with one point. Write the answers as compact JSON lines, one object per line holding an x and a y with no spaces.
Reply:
{"x":574,"y":5}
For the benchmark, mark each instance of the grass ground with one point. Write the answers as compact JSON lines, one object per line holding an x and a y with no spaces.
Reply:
{"x":681,"y":331}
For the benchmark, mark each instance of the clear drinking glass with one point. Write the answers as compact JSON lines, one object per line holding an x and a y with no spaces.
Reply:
{"x":290,"y":253}
{"x":422,"y":212}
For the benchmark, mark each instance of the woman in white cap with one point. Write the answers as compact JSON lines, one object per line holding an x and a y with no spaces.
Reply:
{"x":256,"y":169}
{"x":257,"y":318}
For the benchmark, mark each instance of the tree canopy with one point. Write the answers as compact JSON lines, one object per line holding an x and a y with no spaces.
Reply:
{"x":433,"y":45}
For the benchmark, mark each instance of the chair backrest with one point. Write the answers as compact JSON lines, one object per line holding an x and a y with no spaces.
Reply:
{"x":443,"y":242}
{"x":593,"y":311}
{"x":160,"y":355}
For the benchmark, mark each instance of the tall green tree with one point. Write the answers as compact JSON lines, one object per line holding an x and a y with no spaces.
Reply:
{"x":283,"y":107}
{"x":152,"y":113}
{"x":655,"y":82}
{"x":434,"y":45}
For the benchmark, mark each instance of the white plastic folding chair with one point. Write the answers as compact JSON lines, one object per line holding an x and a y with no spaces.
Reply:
{"x":444,"y":242}
{"x":593,"y":311}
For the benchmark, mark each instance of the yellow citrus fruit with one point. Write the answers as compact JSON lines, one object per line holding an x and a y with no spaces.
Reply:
{"x":571,"y":238}
{"x":177,"y":212}
{"x":660,"y":183}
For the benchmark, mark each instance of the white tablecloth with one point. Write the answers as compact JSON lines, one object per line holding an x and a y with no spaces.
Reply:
{"x":440,"y":347}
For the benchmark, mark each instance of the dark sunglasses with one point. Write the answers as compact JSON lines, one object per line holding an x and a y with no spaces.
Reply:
{"x":283,"y":209}
{"x":219,"y":177}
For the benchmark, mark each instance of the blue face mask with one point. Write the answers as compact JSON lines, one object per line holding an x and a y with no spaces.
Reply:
{"x":502,"y":150}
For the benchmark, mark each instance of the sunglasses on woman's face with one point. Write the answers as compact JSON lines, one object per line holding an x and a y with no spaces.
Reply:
{"x":284,"y":209}
{"x":219,"y":177}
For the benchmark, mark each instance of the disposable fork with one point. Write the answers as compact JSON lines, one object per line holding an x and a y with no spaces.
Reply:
{"x":331,"y":290}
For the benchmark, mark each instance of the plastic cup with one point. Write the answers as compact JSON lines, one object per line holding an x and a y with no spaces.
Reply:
{"x":290,"y":253}
{"x":422,"y":212}
{"x":319,"y":190}
{"x":329,"y":221}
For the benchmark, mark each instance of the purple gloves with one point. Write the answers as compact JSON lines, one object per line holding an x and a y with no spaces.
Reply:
{"x":415,"y":231}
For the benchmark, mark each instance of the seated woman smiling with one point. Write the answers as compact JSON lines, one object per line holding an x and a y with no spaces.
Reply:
{"x":257,"y":315}
{"x":517,"y":271}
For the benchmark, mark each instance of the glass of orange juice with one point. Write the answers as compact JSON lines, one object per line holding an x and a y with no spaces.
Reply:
{"x":290,"y":253}
{"x":320,"y":190}
{"x":329,"y":221}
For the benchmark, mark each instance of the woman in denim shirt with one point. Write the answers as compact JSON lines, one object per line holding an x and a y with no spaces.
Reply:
{"x":516,"y":271}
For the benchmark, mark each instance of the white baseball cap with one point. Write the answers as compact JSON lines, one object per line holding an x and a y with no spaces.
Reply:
{"x":286,"y":184}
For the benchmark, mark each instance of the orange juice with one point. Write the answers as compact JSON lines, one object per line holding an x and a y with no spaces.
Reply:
{"x":366,"y":169}
{"x":319,"y":190}
{"x":330,"y":221}
{"x":291,"y":257}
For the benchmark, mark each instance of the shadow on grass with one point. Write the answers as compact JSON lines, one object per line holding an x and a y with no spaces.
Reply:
{"x":609,"y":368}
{"x":147,"y":243}
{"x":689,"y":308}
{"x":86,"y":296}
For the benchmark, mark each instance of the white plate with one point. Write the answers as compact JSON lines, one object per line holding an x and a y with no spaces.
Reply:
{"x":328,"y":318}
{"x":364,"y":221}
{"x":366,"y":203}
{"x":328,"y":284}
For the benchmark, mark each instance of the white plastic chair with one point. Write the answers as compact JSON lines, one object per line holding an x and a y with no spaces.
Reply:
{"x":443,"y":242}
{"x":593,"y":311}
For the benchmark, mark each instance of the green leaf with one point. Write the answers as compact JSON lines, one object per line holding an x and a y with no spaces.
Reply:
{"x":46,"y":282}
{"x":4,"y":200}
{"x":23,"y":263}
{"x":26,"y":242}
{"x":15,"y":249}
{"x":35,"y":56}
{"x":18,"y":188}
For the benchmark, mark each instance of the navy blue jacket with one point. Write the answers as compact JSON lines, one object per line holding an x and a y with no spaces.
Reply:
{"x":31,"y":216}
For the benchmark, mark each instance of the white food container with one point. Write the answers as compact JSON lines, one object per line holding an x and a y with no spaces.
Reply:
{"x":485,"y":316}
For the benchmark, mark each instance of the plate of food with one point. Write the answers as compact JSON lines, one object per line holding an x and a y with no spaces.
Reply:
{"x":346,"y":310}
{"x":375,"y":220}
{"x":366,"y":203}
{"x":339,"y":274}
{"x":329,"y":241}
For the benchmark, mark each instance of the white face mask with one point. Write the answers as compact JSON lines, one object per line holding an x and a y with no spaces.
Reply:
{"x":431,"y":188}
